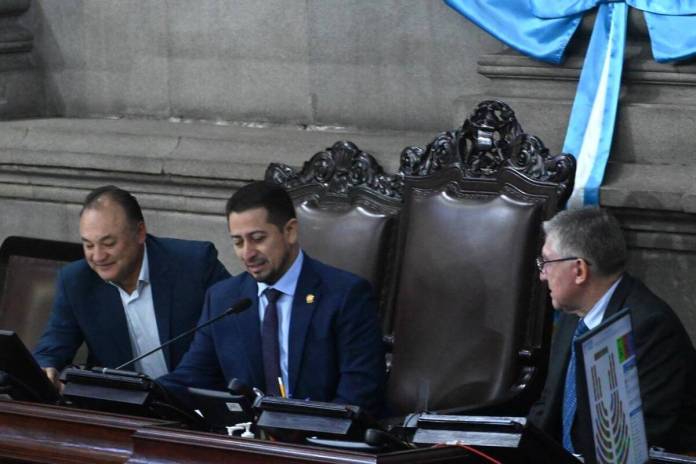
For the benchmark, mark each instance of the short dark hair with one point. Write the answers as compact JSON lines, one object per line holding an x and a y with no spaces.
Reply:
{"x":592,"y":234}
{"x":273,"y":198}
{"x":119,"y":196}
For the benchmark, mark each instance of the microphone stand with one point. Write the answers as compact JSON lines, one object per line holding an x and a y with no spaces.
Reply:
{"x":238,"y":307}
{"x":114,"y":390}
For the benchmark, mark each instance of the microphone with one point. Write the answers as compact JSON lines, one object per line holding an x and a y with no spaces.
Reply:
{"x":237,"y":387}
{"x":238,"y":307}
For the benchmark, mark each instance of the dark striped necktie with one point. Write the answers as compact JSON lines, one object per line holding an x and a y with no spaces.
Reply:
{"x":269,"y":342}
{"x":570,"y":397}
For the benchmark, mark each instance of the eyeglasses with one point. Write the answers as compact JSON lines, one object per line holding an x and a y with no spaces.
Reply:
{"x":541,"y":262}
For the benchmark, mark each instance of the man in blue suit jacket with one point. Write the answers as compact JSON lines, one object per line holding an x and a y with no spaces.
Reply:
{"x":326,"y":344}
{"x":132,"y":291}
{"x":583,"y":262}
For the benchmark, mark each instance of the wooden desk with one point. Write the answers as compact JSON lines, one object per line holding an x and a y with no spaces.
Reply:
{"x":52,"y":434}
{"x":33,"y":433}
{"x":158,"y":445}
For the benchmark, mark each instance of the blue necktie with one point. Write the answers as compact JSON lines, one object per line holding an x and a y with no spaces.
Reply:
{"x":269,"y":343}
{"x":570,"y":398}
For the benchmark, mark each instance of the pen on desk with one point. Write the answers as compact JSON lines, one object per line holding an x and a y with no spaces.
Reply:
{"x":282,"y":387}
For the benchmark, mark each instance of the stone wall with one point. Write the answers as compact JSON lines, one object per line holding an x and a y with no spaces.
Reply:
{"x":393,"y":64}
{"x":182,"y":173}
{"x":21,"y":82}
{"x":181,"y":102}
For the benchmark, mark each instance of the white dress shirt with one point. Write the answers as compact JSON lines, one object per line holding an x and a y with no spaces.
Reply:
{"x":142,"y":323}
{"x":594,"y":317}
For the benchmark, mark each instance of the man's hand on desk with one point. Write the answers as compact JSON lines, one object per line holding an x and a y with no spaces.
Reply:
{"x":52,"y":373}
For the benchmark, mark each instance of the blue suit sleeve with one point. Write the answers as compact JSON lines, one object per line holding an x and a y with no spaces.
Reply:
{"x":63,"y":335}
{"x":360,"y":350}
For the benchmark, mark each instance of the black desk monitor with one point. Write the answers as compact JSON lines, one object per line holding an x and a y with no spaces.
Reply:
{"x":221,"y":409}
{"x":508,"y":439}
{"x":21,"y":378}
{"x":287,"y":417}
{"x":123,"y":392}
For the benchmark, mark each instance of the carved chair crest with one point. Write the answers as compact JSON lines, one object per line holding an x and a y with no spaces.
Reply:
{"x":339,"y":169}
{"x":489,"y":141}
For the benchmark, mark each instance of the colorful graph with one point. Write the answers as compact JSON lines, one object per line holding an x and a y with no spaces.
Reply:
{"x":611,"y":431}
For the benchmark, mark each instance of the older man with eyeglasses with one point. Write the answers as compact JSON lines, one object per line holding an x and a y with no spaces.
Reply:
{"x":583,"y":263}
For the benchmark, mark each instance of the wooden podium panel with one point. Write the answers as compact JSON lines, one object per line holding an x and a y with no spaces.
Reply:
{"x":40,"y":433}
{"x":156,"y":445}
{"x":37,"y":433}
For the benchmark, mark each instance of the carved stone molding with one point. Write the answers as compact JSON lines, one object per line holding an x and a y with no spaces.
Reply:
{"x":489,"y":141}
{"x":14,"y":38}
{"x":338,"y":169}
{"x":14,"y":7}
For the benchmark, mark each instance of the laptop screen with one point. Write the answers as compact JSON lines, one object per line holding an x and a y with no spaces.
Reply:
{"x":22,"y":373}
{"x":609,"y":358}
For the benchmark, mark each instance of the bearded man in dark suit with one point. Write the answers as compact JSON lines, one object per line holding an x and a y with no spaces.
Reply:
{"x":311,"y":328}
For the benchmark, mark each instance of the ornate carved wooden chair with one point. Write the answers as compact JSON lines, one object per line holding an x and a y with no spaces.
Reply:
{"x":472,"y":319}
{"x":28,"y":269}
{"x":347,"y":209}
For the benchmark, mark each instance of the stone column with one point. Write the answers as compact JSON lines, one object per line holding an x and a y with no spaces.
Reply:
{"x":21,"y":85}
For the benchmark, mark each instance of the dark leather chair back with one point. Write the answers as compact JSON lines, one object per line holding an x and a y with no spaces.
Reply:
{"x":349,"y":238}
{"x":347,"y":210}
{"x":28,"y":269}
{"x":472,"y":318}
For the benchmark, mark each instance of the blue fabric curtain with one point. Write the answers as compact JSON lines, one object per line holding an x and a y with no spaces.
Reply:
{"x":541,"y":29}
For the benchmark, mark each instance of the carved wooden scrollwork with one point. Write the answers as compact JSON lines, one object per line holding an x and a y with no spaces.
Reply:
{"x":338,"y":169}
{"x":490,"y":140}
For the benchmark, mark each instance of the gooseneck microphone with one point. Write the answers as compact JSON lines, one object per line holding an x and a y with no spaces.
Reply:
{"x":238,"y":307}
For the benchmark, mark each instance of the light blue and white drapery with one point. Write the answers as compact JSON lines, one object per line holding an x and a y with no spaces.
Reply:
{"x":541,"y":29}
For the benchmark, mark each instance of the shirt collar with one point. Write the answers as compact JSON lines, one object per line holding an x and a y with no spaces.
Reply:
{"x":594,"y":317}
{"x":144,"y":268}
{"x":288,"y":282}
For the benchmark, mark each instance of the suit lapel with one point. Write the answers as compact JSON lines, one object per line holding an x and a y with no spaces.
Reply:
{"x":107,"y":310}
{"x":161,"y":285}
{"x":249,"y":332}
{"x":304,"y":304}
{"x":618,"y":299}
{"x":559,"y":363}
{"x":565,"y":334}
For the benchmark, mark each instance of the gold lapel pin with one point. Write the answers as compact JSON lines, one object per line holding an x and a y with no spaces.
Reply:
{"x":309,"y":299}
